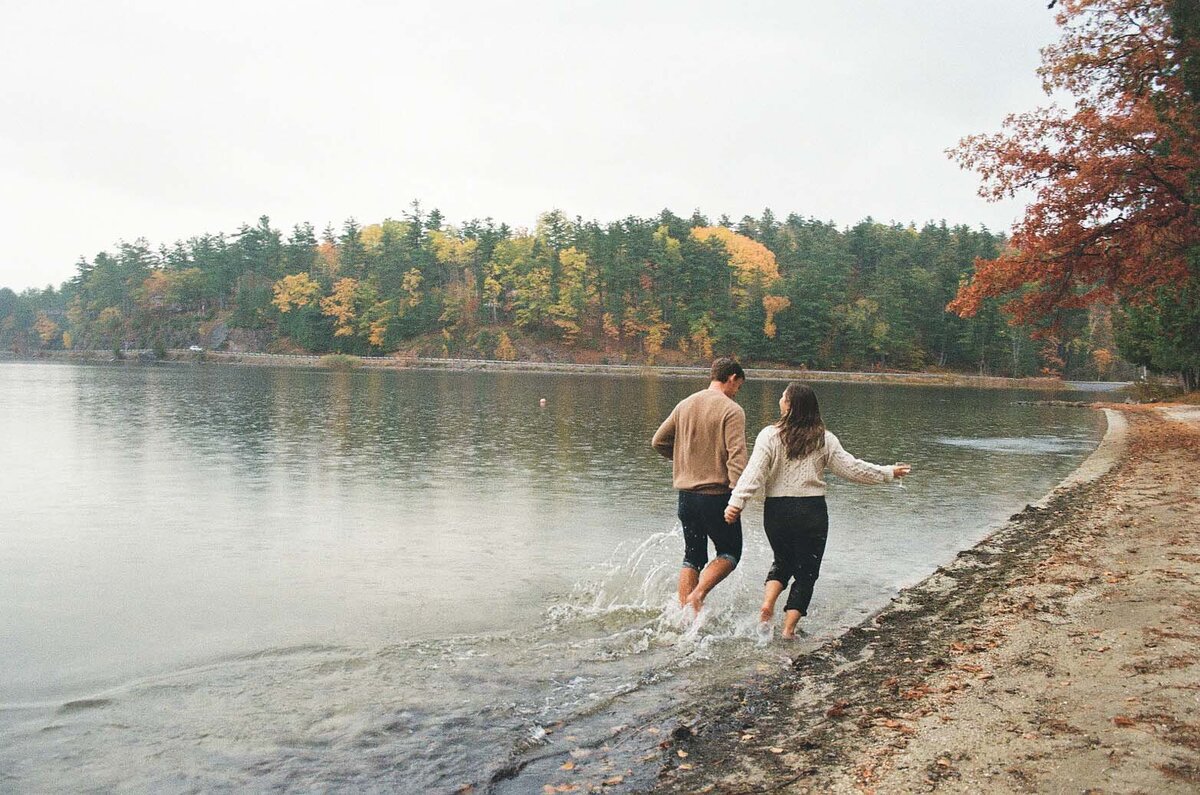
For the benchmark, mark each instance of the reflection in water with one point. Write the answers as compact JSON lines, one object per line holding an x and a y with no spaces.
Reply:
{"x":220,"y":576}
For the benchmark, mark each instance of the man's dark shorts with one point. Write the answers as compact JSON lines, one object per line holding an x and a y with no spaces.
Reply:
{"x":703,"y":517}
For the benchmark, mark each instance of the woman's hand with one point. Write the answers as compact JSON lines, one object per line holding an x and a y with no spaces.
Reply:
{"x":901,"y":470}
{"x":732,"y":514}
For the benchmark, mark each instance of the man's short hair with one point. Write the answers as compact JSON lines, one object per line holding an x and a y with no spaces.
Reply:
{"x":725,"y":367}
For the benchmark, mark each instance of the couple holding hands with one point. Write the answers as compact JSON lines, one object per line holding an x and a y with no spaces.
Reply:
{"x":705,"y":439}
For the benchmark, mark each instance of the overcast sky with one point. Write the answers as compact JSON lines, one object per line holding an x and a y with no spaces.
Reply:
{"x":164,"y":120}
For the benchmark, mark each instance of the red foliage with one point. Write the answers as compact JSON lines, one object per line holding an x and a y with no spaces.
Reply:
{"x":1114,"y":212}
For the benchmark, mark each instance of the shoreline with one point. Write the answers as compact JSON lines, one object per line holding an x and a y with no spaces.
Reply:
{"x":250,"y":359}
{"x":1057,"y":654}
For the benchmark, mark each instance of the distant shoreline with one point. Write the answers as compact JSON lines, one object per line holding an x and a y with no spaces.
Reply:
{"x":1049,"y":384}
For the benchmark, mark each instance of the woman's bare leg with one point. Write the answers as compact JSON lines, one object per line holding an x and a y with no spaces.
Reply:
{"x":790,"y":619}
{"x":770,"y":594}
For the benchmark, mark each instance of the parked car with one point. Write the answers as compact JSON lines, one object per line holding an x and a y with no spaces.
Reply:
{"x":196,"y":349}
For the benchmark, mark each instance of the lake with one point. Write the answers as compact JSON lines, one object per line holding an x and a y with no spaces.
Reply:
{"x":217,"y":577}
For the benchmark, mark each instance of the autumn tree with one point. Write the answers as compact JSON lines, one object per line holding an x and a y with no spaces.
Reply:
{"x":1114,"y":215}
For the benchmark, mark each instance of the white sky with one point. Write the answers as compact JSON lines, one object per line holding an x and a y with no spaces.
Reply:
{"x":163,"y":119}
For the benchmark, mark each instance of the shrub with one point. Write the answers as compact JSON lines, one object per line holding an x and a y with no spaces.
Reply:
{"x":338,"y":361}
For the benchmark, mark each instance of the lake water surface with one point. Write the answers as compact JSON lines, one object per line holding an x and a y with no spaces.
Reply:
{"x":215,"y":577}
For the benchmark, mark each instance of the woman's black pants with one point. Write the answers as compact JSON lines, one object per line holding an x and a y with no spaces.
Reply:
{"x":797,"y":528}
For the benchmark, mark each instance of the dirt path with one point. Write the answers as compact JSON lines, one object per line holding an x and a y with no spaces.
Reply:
{"x":1061,"y":655}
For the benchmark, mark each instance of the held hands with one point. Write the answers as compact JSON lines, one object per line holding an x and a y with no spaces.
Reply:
{"x":732,"y":514}
{"x":899,"y":470}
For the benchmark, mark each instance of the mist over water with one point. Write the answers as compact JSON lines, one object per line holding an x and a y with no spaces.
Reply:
{"x":215,"y":577}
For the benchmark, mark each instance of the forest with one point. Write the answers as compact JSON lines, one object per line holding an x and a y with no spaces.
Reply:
{"x":1102,"y":273}
{"x":666,"y":289}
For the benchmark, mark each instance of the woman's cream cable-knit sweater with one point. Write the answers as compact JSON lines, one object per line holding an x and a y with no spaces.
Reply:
{"x":800,"y":477}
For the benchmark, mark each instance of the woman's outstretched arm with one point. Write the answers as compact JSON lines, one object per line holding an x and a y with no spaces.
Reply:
{"x":856,"y":470}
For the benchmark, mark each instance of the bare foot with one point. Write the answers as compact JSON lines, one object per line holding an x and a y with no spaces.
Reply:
{"x":766,"y":613}
{"x":695,"y":602}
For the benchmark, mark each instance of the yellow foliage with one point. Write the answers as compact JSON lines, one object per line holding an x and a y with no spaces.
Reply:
{"x":773,"y":304}
{"x":577,"y":297}
{"x":153,"y":293}
{"x":378,"y":332}
{"x":702,"y":339}
{"x":340,"y":306}
{"x":451,"y":250}
{"x":371,"y":237}
{"x":412,"y":285}
{"x":751,"y":258}
{"x":68,"y":340}
{"x":327,"y":257}
{"x":296,"y":290}
{"x":647,"y":322}
{"x":46,"y":328}
{"x":505,"y":350}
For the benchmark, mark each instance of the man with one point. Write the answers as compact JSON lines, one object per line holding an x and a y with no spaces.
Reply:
{"x":705,"y":438}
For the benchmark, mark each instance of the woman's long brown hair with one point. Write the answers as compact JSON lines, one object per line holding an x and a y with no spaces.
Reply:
{"x":801,"y":429}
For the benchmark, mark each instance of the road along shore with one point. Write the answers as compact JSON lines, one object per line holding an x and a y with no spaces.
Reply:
{"x":480,"y":365}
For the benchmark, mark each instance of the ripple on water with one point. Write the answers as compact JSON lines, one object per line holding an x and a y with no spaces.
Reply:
{"x":1021,"y":445}
{"x":82,"y":704}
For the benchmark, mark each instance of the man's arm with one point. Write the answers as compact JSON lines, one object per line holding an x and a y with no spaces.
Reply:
{"x":664,"y":438}
{"x":735,"y":445}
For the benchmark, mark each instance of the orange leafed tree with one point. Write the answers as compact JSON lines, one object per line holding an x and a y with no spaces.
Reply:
{"x":750,"y":257}
{"x":1114,"y":213}
{"x":773,"y":304}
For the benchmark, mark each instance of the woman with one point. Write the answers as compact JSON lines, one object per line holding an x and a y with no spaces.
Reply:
{"x":789,"y":459}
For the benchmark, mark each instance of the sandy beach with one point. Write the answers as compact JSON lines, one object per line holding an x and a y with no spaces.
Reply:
{"x":1059,"y":655}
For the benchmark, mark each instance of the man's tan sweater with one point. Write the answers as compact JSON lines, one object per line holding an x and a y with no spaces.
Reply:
{"x":705,"y":438}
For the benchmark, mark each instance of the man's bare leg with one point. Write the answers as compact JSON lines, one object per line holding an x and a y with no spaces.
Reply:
{"x":770,"y":594}
{"x":790,"y":619}
{"x":717,"y":570}
{"x":688,"y":577}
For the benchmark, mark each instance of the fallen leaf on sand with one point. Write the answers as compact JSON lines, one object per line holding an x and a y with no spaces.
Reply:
{"x":775,"y":749}
{"x":567,"y":766}
{"x":682,"y":754}
{"x":1124,"y":720}
{"x":839,"y":708}
{"x":899,"y":726}
{"x":612,"y":782}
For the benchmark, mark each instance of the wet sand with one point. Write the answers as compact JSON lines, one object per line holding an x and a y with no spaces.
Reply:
{"x":1059,"y":655}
